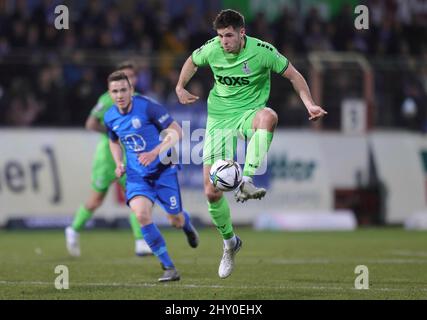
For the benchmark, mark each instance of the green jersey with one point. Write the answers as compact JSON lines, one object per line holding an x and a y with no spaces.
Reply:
{"x":104,"y":103}
{"x":242,"y":80}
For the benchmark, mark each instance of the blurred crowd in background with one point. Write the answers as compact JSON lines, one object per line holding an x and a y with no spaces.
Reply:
{"x":51,"y":77}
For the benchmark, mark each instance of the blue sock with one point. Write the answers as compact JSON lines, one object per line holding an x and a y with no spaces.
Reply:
{"x":188,"y":227}
{"x":157,"y":244}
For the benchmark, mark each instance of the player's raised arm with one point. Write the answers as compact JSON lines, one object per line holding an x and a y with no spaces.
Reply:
{"x":187,"y":72}
{"x":301,"y":87}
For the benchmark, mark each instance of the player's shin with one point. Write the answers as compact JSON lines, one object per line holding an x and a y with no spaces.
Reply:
{"x":221,"y":218}
{"x":136,"y":227}
{"x":157,"y":244}
{"x":190,"y":231}
{"x":188,"y":227}
{"x":81,"y":217}
{"x":257,"y":150}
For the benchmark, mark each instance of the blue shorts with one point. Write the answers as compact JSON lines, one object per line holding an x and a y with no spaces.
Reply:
{"x":162,"y":189}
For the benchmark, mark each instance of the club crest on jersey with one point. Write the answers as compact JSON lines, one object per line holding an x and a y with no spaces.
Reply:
{"x":246,"y":68}
{"x":136,"y":123}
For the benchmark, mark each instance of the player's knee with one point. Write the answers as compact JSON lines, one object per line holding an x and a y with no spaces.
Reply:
{"x":212,"y":195}
{"x":268,"y":119}
{"x":94,"y":204}
{"x":271,"y":118}
{"x":143,"y":218}
{"x":95,"y":200}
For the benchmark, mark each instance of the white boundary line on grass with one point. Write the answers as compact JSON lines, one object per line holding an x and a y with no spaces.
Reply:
{"x":141,"y":285}
{"x":359,"y":260}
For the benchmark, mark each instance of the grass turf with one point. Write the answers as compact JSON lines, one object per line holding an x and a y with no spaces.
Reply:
{"x":270,"y":265}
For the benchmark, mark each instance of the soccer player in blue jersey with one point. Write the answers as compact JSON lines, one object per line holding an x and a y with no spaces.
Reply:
{"x":138,"y":123}
{"x":103,"y":175}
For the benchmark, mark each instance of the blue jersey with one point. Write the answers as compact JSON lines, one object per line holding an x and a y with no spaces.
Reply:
{"x":139,"y":131}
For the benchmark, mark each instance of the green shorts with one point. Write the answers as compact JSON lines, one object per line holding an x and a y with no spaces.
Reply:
{"x":222,"y":134}
{"x":103,"y":167}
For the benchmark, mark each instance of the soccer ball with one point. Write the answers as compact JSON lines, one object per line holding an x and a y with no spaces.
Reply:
{"x":225,"y":175}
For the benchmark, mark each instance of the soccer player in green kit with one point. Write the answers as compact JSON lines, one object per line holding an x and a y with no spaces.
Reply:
{"x":103,"y":175}
{"x":241,"y":66}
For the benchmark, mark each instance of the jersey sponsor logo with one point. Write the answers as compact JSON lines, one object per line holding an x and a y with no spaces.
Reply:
{"x":136,"y":123}
{"x":135,"y":142}
{"x":233,"y":81}
{"x":246,"y":68}
{"x":99,"y":183}
{"x":163,"y":118}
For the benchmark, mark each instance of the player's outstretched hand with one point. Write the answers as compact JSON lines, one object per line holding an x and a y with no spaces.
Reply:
{"x":185,"y":97}
{"x":120,"y":170}
{"x":316,"y":113}
{"x":145,"y":158}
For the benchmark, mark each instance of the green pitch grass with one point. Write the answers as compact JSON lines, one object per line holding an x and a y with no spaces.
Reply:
{"x":270,"y":265}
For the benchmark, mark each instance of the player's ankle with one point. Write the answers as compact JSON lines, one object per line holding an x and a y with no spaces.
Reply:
{"x":247,"y":179}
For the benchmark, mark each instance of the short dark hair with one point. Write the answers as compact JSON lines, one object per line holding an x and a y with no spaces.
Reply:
{"x":128,"y":64}
{"x":117,"y":76}
{"x":227,"y":18}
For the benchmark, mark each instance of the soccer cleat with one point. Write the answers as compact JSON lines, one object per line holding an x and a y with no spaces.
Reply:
{"x":227,"y":262}
{"x":142,"y":249}
{"x":192,"y":237}
{"x":72,"y":240}
{"x":170,"y":274}
{"x":247,"y":190}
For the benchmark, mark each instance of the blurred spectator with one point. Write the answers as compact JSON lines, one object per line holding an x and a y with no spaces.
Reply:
{"x":413,"y":106}
{"x":23,"y":111}
{"x":316,"y":39}
{"x":50,"y":91}
{"x":260,"y":28}
{"x":161,"y":33}
{"x":83,"y":96}
{"x":286,"y":32}
{"x":22,"y":108}
{"x":144,"y":76}
{"x":343,"y":29}
{"x":157,"y":91}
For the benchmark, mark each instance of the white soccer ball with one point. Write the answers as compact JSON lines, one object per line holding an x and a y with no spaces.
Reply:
{"x":225,"y":175}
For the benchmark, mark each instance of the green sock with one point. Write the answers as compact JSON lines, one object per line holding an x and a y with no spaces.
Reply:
{"x":221,"y":218}
{"x":136,"y":227}
{"x":81,"y":217}
{"x":257,"y":149}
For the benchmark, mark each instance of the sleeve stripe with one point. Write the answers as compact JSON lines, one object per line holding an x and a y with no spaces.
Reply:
{"x":285,"y":67}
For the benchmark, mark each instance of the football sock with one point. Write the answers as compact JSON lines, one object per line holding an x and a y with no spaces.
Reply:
{"x":157,"y":244}
{"x":187,"y":222}
{"x":81,"y":217}
{"x":221,"y":218}
{"x":257,"y":149}
{"x":230,"y":243}
{"x":136,"y":227}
